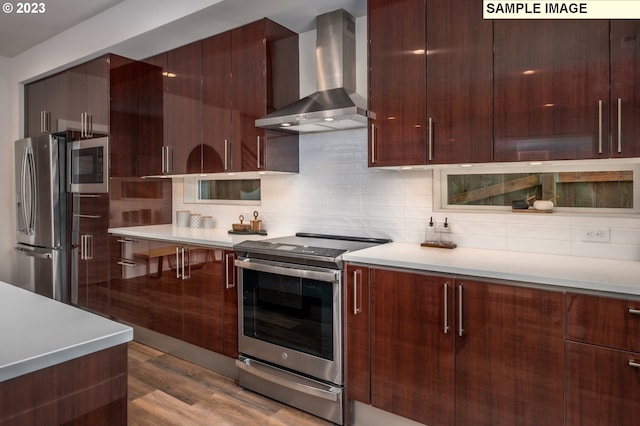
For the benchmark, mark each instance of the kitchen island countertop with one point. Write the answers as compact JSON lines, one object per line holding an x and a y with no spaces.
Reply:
{"x":38,"y":332}
{"x":584,"y":273}
{"x":216,"y":237}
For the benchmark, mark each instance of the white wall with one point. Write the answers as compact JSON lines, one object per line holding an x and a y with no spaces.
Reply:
{"x":335,"y":192}
{"x":7,"y":213}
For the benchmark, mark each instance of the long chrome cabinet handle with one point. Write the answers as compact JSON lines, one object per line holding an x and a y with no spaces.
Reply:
{"x":226,"y":154}
{"x":357,"y":291}
{"x":86,"y":247}
{"x":373,"y":144}
{"x":259,"y":165}
{"x":619,"y":125}
{"x":89,"y":247}
{"x":460,"y":327}
{"x":169,"y":159}
{"x":127,"y":264}
{"x":178,"y":262}
{"x":228,"y":283}
{"x":600,"y":126}
{"x":166,"y":159}
{"x":45,"y":121}
{"x":446,"y":308}
{"x":87,"y":216}
{"x":430,"y":139}
{"x":634,"y":311}
{"x":89,"y":125}
{"x":634,"y":363}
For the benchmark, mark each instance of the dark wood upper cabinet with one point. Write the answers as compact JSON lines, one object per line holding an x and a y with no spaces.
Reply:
{"x":35,"y":100}
{"x":181,"y":145}
{"x":430,"y":83}
{"x":459,"y":83}
{"x":183,"y":109}
{"x":123,"y":114}
{"x":46,"y":104}
{"x":397,"y":82}
{"x":264,"y":69}
{"x":551,"y":90}
{"x":217,"y":113}
{"x":625,"y":90}
{"x":150,"y":136}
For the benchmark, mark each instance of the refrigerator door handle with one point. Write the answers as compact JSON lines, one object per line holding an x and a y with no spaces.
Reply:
{"x":27,"y":189}
{"x":33,"y":253}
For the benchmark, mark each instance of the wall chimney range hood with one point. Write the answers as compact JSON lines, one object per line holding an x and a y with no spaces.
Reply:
{"x":335,"y":105}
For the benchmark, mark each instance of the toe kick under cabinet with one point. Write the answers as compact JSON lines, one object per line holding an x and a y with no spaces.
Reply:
{"x":184,"y":291}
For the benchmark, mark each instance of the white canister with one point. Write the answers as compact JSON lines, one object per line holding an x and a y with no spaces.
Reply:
{"x":196,"y":220}
{"x":207,"y":222}
{"x":183,"y":218}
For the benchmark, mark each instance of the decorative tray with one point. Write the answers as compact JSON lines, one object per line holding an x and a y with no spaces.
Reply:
{"x":531,"y":210}
{"x":260,"y":232}
{"x":438,"y":245}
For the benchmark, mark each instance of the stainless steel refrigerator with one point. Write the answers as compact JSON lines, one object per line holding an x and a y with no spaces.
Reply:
{"x":41,"y":215}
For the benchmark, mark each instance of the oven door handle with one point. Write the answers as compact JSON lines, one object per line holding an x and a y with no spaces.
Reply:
{"x":329,"y":275}
{"x":331,"y":394}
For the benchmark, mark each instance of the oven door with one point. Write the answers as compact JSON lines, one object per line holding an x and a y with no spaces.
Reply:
{"x":291,"y":316}
{"x":88,"y":166}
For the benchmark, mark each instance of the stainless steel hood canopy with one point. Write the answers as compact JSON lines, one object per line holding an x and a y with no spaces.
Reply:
{"x":335,"y":106}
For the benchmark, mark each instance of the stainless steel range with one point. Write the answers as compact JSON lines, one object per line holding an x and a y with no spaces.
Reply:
{"x":290,"y":319}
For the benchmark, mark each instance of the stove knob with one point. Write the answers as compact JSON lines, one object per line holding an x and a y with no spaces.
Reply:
{"x":284,"y":356}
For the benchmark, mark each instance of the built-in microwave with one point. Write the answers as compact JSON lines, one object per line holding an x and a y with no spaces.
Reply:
{"x":88,"y":165}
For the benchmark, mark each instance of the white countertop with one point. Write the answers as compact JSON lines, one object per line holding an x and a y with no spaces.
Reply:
{"x":586,"y":273}
{"x":37,"y":332}
{"x":617,"y":276}
{"x":216,"y":237}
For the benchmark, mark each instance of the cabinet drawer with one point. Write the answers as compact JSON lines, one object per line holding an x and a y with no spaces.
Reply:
{"x":128,"y":248}
{"x":601,"y":386}
{"x":614,"y":323}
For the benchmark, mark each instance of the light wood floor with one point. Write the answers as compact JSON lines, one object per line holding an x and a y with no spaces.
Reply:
{"x":165,"y":390}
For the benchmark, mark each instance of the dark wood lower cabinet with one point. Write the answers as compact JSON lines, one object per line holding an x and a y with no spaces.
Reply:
{"x":444,"y":350}
{"x":357,"y":302}
{"x":509,"y":359}
{"x":90,"y":390}
{"x":203,"y":299}
{"x":186,"y":292}
{"x":412,"y":358}
{"x":601,"y":386}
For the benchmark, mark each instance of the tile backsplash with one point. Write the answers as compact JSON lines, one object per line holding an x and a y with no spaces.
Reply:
{"x":336,"y":193}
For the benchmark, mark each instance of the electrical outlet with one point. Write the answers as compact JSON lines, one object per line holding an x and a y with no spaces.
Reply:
{"x":596,"y":235}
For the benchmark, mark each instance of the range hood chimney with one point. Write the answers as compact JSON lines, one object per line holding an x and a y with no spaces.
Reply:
{"x":335,"y":105}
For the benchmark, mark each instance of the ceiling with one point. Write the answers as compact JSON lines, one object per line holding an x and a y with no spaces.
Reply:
{"x":19,"y":32}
